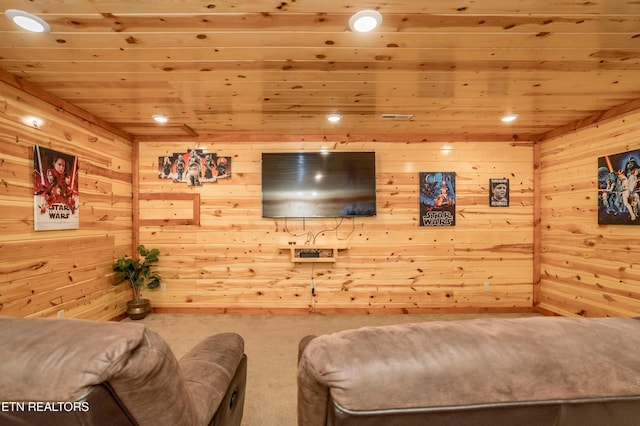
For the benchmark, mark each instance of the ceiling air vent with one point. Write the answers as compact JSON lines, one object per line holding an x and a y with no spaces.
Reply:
{"x":396,"y":117}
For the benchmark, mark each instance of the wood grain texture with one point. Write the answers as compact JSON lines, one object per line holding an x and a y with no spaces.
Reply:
{"x":235,"y":259}
{"x":277,"y":68}
{"x":232,"y":262}
{"x":586,"y":269}
{"x":170,"y":209}
{"x":44,"y":272}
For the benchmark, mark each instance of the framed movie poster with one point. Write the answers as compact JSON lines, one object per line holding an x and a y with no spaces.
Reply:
{"x":55,"y":190}
{"x":499,"y":192}
{"x":618,"y":189}
{"x":437,"y":199}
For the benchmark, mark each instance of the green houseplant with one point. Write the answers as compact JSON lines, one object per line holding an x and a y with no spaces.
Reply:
{"x":140,"y":276}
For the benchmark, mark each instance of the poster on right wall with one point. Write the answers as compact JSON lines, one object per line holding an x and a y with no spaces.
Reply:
{"x":618,"y":189}
{"x":499,"y":192}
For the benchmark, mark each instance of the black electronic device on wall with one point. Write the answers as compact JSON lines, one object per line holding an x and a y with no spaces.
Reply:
{"x":318,"y":184}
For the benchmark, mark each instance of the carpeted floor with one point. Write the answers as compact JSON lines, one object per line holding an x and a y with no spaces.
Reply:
{"x":271,"y":345}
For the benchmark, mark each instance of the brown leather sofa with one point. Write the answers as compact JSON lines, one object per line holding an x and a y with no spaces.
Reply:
{"x":78,"y":372}
{"x":485,"y":372}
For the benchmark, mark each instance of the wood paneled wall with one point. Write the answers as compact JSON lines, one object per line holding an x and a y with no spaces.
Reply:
{"x":232,"y":261}
{"x":44,"y":272}
{"x":586,"y":269}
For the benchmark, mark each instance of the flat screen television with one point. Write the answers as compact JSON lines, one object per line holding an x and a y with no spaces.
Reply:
{"x":318,"y":184}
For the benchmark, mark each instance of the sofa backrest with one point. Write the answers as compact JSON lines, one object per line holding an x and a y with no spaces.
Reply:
{"x":63,"y":360}
{"x":436,"y":366}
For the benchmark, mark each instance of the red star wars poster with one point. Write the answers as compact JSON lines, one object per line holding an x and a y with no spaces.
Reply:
{"x":55,"y":190}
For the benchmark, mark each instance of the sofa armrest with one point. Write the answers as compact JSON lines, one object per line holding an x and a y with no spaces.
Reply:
{"x":313,"y":396}
{"x":302,"y":345}
{"x":232,"y":406}
{"x":209,"y":369}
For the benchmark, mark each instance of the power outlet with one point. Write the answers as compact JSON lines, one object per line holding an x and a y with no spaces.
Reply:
{"x":487,"y":287}
{"x":61,"y":313}
{"x":163,"y":287}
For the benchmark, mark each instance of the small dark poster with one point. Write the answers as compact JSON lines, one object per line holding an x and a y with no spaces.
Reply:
{"x":499,"y":192}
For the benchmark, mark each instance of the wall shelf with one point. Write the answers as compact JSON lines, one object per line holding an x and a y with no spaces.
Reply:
{"x":312,"y":253}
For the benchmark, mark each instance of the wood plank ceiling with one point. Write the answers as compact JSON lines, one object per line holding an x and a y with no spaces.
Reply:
{"x":231,"y":68}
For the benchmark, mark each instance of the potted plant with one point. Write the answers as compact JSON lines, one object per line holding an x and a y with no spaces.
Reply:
{"x":138,"y":273}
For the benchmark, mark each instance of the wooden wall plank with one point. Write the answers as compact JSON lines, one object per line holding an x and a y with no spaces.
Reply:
{"x":42,"y":273}
{"x":233,"y":259}
{"x":586,"y":269}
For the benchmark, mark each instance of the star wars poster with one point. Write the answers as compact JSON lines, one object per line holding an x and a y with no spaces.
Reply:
{"x":194,"y":167}
{"x":55,"y":190}
{"x":437,"y":199}
{"x":618,"y":189}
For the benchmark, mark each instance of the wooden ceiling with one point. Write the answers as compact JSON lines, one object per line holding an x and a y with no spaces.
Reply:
{"x":237,"y":68}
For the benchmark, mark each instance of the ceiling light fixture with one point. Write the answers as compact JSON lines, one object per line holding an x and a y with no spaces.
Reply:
{"x":365,"y":20}
{"x":28,"y":21}
{"x":160,"y":119}
{"x":334,"y":118}
{"x":33,"y":121}
{"x":509,"y":118}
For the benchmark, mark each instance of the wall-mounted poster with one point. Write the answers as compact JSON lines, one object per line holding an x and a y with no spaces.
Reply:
{"x":194,"y":167}
{"x":55,"y":190}
{"x":437,"y":199}
{"x":618,"y":189}
{"x":499,"y":192}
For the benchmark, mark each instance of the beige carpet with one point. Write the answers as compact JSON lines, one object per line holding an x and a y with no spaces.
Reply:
{"x":271,"y":345}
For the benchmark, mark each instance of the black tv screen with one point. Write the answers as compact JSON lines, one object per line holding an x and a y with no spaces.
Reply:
{"x":318,"y":184}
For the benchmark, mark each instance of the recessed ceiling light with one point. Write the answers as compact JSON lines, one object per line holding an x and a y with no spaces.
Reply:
{"x":334,"y":118}
{"x":28,"y":21}
{"x":33,"y":121}
{"x":160,"y":119}
{"x":509,"y":118}
{"x":365,"y":20}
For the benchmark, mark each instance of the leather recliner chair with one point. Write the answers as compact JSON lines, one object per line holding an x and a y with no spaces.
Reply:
{"x":485,"y":372}
{"x":80,"y":372}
